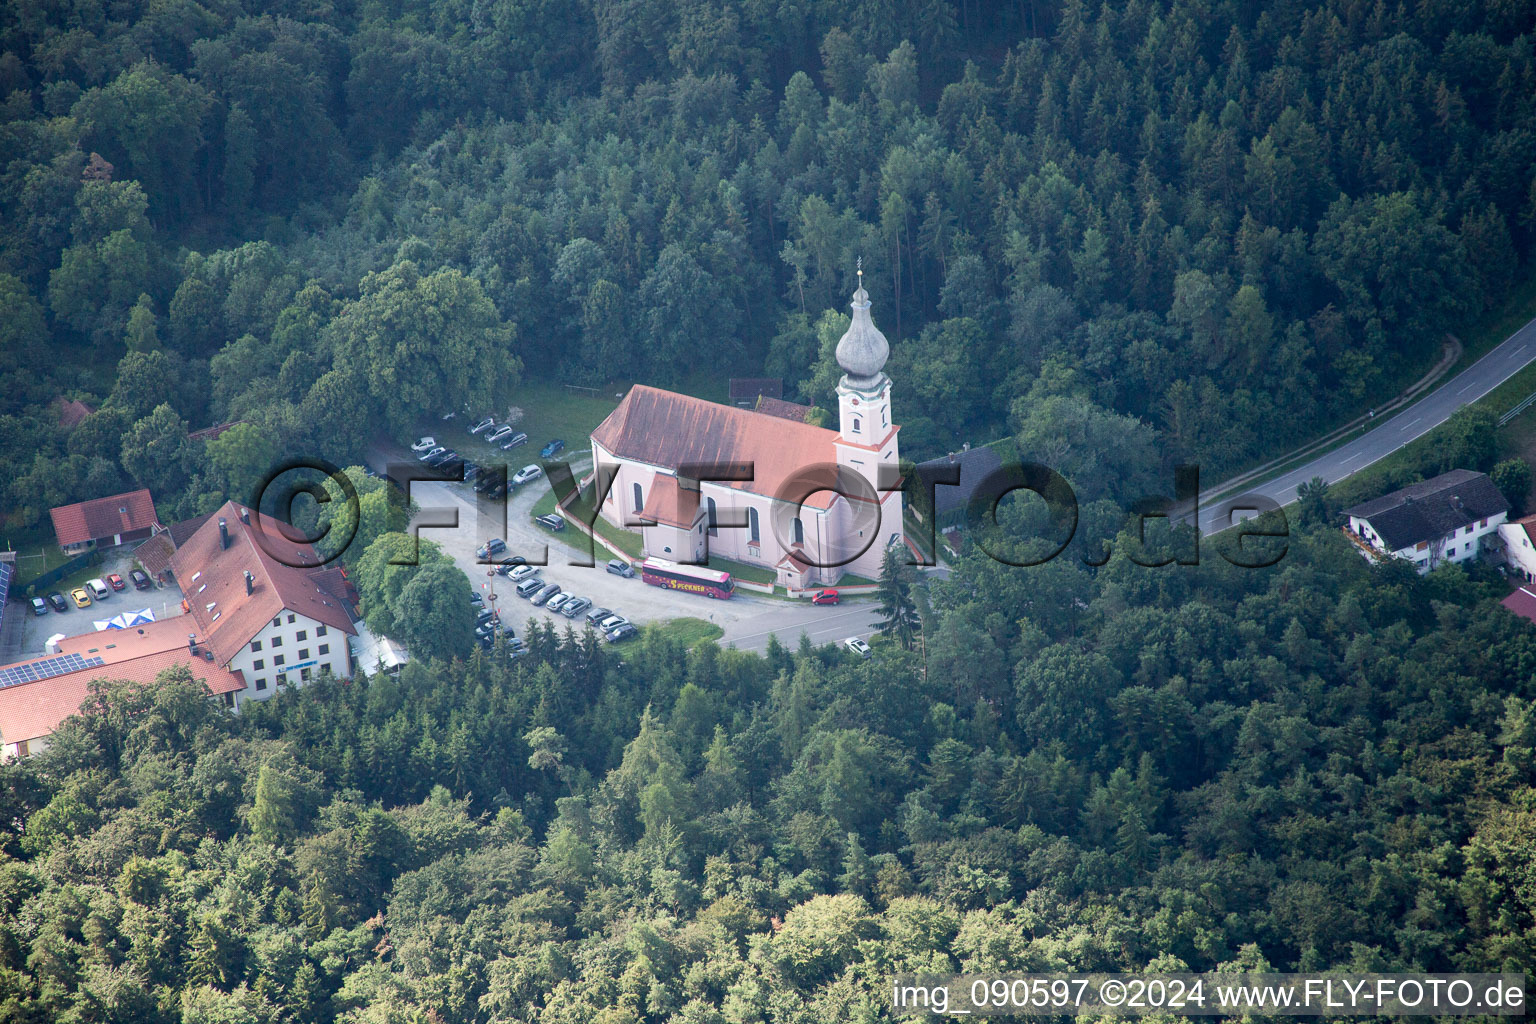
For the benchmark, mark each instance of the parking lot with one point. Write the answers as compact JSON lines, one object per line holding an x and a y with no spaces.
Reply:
{"x":163,"y":602}
{"x":747,"y":619}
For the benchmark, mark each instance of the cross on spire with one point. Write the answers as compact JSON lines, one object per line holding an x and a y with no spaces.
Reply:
{"x":861,"y":270}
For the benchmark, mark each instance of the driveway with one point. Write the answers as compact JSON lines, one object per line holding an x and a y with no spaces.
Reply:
{"x":1508,"y":358}
{"x":164,"y":602}
{"x":747,"y":619}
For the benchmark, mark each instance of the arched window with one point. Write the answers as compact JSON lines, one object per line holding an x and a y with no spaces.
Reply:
{"x":714,"y":530}
{"x":639,"y":499}
{"x":799,"y":531}
{"x":855,"y":424}
{"x":754,"y":536}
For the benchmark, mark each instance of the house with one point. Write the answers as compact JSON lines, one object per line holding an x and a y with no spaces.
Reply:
{"x":263,"y":604}
{"x":1522,"y":603}
{"x":36,"y":695}
{"x":975,"y":465}
{"x":104,"y":522}
{"x":1449,"y":518}
{"x":745,"y":391}
{"x":653,"y":434}
{"x":1519,"y":538}
{"x":70,"y":411}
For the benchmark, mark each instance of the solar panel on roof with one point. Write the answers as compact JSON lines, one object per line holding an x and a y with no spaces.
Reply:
{"x":46,"y":668}
{"x":6,"y":568}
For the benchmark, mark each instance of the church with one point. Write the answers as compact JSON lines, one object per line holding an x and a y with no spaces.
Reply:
{"x":808,"y":538}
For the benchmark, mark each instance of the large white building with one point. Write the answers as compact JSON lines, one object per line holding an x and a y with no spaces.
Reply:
{"x":651,"y":439}
{"x":262,"y":604}
{"x":1453,"y":517}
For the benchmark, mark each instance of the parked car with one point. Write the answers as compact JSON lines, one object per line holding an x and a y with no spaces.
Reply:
{"x":81,"y":597}
{"x":620,"y":633}
{"x":424,"y":444}
{"x":549,"y":450}
{"x":597,"y":615}
{"x":824,"y":597}
{"x":490,"y":548}
{"x":619,"y":567}
{"x":475,"y":599}
{"x":471,"y":470}
{"x":612,"y":623}
{"x":431,"y":453}
{"x":514,"y":441}
{"x":530,"y":586}
{"x":499,"y":434}
{"x":98,"y":588}
{"x":453,"y":466}
{"x":522,"y":572}
{"x":484,"y":615}
{"x":39,"y":606}
{"x":558,"y":602}
{"x":526,"y":474}
{"x":116,"y":582}
{"x":542,"y":597}
{"x":485,"y":481}
{"x":857,"y":646}
{"x":485,"y":631}
{"x":550,"y":522}
{"x":441,"y":456}
{"x":496,"y":490}
{"x":483,"y":424}
{"x":141,"y":580}
{"x":575,"y":606}
{"x":57,"y":600}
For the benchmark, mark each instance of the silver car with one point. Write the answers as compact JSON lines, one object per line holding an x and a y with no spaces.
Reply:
{"x":575,"y":606}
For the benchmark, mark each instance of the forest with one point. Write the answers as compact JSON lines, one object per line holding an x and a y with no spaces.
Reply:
{"x":1122,"y":236}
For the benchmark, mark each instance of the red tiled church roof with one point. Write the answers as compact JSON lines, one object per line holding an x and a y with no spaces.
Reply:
{"x":665,"y":429}
{"x":103,"y":517}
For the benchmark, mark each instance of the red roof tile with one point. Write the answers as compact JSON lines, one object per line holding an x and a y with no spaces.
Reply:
{"x":71,"y":411}
{"x":1522,"y":602}
{"x":32,"y":710}
{"x":781,"y":409}
{"x":212,"y":579}
{"x":665,"y":429}
{"x":665,"y":503}
{"x":101,"y":518}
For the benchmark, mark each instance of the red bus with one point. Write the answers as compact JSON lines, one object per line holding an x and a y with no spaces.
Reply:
{"x":697,"y":579}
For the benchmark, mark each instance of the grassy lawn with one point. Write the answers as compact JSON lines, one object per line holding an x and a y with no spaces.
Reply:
{"x":690,"y":632}
{"x":742,"y":571}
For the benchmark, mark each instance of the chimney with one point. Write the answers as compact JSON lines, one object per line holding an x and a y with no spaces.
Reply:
{"x":223,"y":533}
{"x":951,"y":456}
{"x":250,"y":583}
{"x":245,"y":515}
{"x":192,"y":643}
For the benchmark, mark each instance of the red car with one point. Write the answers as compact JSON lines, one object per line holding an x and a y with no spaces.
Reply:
{"x":824,"y":597}
{"x":116,"y":581}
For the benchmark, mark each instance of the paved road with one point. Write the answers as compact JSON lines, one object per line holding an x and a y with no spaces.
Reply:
{"x":748,"y":619}
{"x":1477,"y":380}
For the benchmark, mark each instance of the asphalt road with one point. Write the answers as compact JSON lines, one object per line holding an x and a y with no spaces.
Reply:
{"x":1512,"y":355}
{"x":748,"y":619}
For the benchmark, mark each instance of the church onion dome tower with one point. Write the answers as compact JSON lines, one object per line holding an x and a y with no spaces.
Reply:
{"x":863,"y":349}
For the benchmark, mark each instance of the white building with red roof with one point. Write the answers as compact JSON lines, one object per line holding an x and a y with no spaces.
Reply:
{"x":105,"y":522}
{"x":813,"y":508}
{"x":263,"y":604}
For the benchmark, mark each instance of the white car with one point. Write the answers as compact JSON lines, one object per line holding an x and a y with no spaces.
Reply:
{"x":526,"y":474}
{"x":521,"y":573}
{"x":857,"y":646}
{"x":499,"y":433}
{"x":557,"y":602}
{"x":612,"y":623}
{"x":424,"y":444}
{"x":482,"y":425}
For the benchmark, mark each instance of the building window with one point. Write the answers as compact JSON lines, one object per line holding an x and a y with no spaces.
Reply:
{"x":885,"y":417}
{"x":277,"y":621}
{"x":1421,"y":545}
{"x":258,"y":665}
{"x":855,"y":424}
{"x":325,"y":649}
{"x":799,"y":531}
{"x":319,"y":631}
{"x":303,"y":653}
{"x":304,"y":675}
{"x":1449,"y":552}
{"x":639,"y":503}
{"x":303,"y":635}
{"x":714,"y":528}
{"x":282,"y":678}
{"x":277,"y":641}
{"x":279,"y":660}
{"x":291,"y":618}
{"x":261,"y":684}
{"x":229,"y":700}
{"x":753,"y":535}
{"x":255,"y":646}
{"x":1483,"y":525}
{"x":666,"y":551}
{"x":1468,"y":529}
{"x":22,"y":749}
